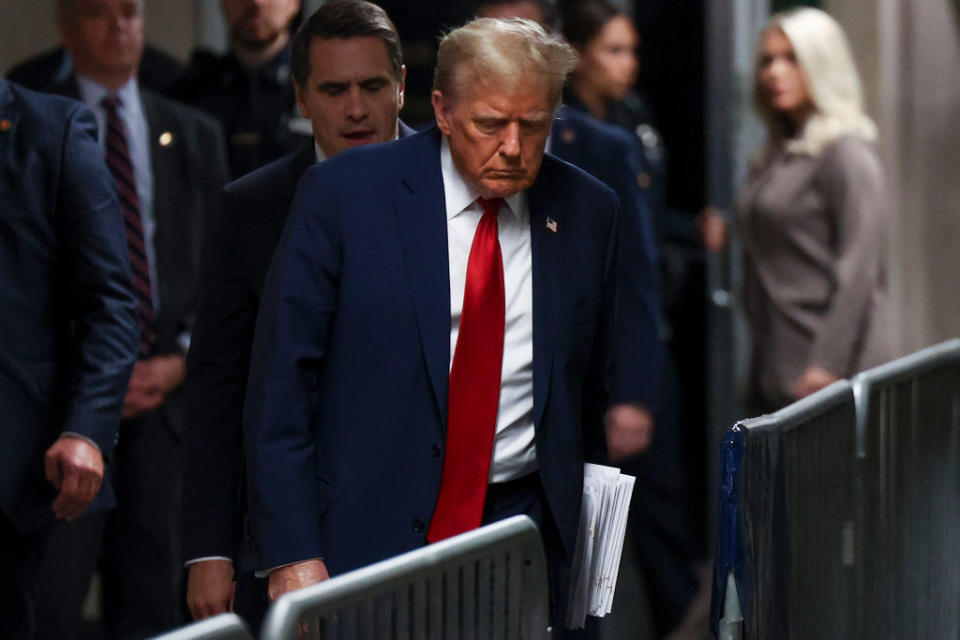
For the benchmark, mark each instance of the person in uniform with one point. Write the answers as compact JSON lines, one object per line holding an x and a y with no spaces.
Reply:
{"x":248,"y":89}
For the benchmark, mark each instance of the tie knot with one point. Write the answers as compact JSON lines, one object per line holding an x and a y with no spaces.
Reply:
{"x":490,"y":207}
{"x":110,"y":102}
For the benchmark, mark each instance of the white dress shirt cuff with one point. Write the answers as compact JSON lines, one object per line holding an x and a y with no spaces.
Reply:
{"x":265,"y":573}
{"x":74,"y":434}
{"x":206,"y":559}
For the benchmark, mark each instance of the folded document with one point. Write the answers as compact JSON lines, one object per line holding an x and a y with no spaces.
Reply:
{"x":596,"y":558}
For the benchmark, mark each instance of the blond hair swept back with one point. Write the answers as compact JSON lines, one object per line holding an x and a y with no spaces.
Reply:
{"x":504,"y":52}
{"x":826,"y":62}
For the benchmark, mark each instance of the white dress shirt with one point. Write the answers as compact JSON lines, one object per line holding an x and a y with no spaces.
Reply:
{"x":514,"y":451}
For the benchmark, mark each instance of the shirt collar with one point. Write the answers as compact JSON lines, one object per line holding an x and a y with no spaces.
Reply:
{"x":459,"y":195}
{"x":93,"y":93}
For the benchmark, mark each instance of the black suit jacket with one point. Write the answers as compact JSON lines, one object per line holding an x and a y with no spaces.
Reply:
{"x":242,"y":242}
{"x":68,"y":330}
{"x":188,"y":159}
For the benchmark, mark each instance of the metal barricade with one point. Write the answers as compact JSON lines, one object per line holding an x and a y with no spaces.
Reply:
{"x":488,"y":583}
{"x":226,"y":626}
{"x":840,"y":514}
{"x":909,"y":536}
{"x":786,"y":521}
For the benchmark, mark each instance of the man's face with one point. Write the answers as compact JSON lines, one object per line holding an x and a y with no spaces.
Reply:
{"x":352,"y":96}
{"x":497,"y":133}
{"x":258,"y":23}
{"x":105,"y":37}
{"x":529,"y":9}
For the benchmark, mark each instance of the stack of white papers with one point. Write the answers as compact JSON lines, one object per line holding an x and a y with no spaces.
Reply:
{"x":596,"y":559}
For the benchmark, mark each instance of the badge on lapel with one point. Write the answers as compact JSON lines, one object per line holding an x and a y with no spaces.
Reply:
{"x":165,"y":139}
{"x":551,"y":224}
{"x":5,"y":125}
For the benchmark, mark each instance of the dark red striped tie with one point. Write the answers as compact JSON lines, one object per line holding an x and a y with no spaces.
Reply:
{"x":118,"y":160}
{"x":474,"y":395}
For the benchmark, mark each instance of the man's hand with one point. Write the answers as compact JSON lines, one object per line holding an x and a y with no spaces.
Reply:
{"x":210,"y":588}
{"x":713,"y":229}
{"x":813,"y":379}
{"x":296,"y":576}
{"x":629,"y":431}
{"x":75,"y":467}
{"x":151,"y":381}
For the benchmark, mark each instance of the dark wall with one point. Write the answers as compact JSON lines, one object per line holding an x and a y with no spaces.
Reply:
{"x":420,"y":24}
{"x":672,"y":78}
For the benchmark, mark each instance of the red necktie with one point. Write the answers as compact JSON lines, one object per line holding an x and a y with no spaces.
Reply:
{"x":474,"y":386}
{"x":118,"y":160}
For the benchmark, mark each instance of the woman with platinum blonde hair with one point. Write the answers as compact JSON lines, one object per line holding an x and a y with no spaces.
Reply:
{"x":812,"y":217}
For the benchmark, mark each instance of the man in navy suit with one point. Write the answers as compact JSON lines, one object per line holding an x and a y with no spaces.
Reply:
{"x":169,"y":164}
{"x":659,"y":527}
{"x":68,"y":333}
{"x":349,"y":79}
{"x":440,"y":333}
{"x":609,"y":155}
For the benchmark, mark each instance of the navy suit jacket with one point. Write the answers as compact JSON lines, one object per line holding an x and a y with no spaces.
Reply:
{"x":609,"y":154}
{"x":346,"y":406}
{"x":68,"y":329}
{"x":237,"y":256}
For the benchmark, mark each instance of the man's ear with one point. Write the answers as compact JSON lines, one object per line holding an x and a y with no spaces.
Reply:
{"x":402,"y":88}
{"x":441,"y":111}
{"x":301,"y":102}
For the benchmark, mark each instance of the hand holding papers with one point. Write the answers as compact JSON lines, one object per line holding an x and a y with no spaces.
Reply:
{"x":596,"y":558}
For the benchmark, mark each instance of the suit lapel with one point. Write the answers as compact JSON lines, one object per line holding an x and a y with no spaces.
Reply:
{"x":421,"y":218}
{"x":164,"y":138}
{"x":546,"y":258}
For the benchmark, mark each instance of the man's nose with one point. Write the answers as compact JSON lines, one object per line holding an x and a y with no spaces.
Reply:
{"x":356,"y":104}
{"x":510,"y":142}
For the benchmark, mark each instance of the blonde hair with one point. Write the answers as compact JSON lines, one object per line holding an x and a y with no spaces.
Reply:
{"x":826,"y":63}
{"x":504,"y":51}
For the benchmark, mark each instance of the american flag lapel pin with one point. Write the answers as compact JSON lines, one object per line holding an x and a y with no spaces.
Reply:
{"x":551,"y":224}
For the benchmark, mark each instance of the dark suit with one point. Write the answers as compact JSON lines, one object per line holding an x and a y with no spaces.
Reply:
{"x":606,"y":153}
{"x":242,"y":241}
{"x":141,"y":557}
{"x":347,"y":402}
{"x":68,"y":333}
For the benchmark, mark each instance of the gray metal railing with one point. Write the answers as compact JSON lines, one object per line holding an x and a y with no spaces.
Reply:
{"x":488,"y":583}
{"x":840,"y":514}
{"x":226,"y":626}
{"x":908,"y":435}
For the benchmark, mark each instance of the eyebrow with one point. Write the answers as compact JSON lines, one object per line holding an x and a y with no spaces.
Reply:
{"x":538,"y":116}
{"x":343,"y":85}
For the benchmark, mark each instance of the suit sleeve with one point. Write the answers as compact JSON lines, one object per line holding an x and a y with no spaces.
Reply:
{"x":290,"y":343}
{"x":100,"y":298}
{"x":601,"y":374}
{"x":637,"y":346}
{"x":217,"y":365}
{"x":853,"y":186}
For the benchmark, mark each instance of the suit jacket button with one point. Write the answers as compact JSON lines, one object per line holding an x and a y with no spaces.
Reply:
{"x":418,"y":525}
{"x":435,"y":450}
